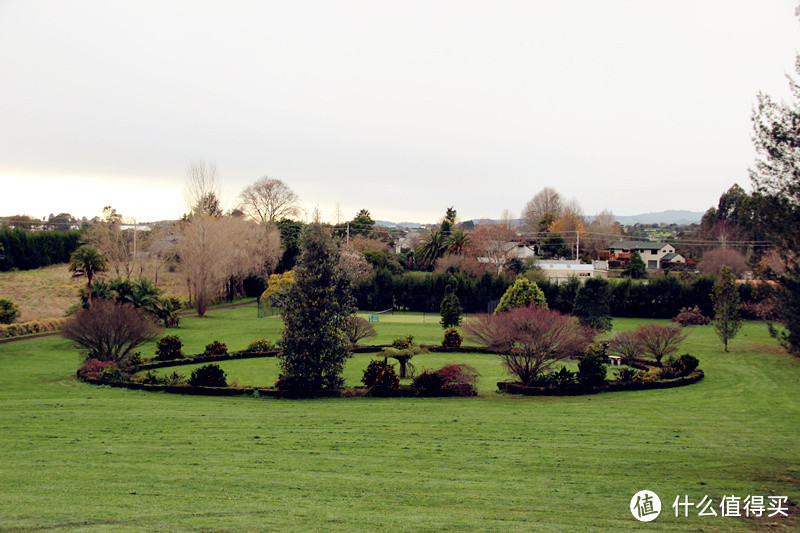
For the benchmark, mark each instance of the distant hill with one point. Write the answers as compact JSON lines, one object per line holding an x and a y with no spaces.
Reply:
{"x":671,"y":216}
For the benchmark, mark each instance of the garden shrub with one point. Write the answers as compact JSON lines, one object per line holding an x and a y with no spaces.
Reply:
{"x":659,"y":340}
{"x":151,"y":378}
{"x":758,"y":311}
{"x":452,"y":339}
{"x":404,"y":357}
{"x":685,"y":364}
{"x":112,"y":374}
{"x":626,"y":375}
{"x":169,"y":347}
{"x":380,"y":378}
{"x":523,"y":293}
{"x":9,"y":311}
{"x":626,"y":344}
{"x":174,"y":379}
{"x":109,"y":331}
{"x":593,"y":304}
{"x":208,"y":376}
{"x":216,"y":348}
{"x":91,"y":368}
{"x":260,"y":346}
{"x":691,"y":317}
{"x":357,"y":328}
{"x":592,"y":370}
{"x":460,"y":377}
{"x":402,"y":343}
{"x":429,"y":381}
{"x":562,"y":378}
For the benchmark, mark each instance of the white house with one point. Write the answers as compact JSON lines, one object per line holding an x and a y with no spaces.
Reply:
{"x":560,"y":271}
{"x":654,"y":254}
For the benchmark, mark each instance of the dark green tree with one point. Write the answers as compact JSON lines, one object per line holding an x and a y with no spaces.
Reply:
{"x":451,"y":307}
{"x":315,"y":313}
{"x":593,"y":304}
{"x":290,"y":239}
{"x":776,"y":177}
{"x":362,"y":224}
{"x":636,"y":268}
{"x":727,"y":319}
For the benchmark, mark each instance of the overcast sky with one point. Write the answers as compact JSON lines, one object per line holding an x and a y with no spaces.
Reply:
{"x":403,"y":108}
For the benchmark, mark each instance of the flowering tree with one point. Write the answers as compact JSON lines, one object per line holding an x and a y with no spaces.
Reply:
{"x":530,"y":340}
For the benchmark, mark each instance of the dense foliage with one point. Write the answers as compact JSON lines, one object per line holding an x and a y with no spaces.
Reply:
{"x":25,"y":250}
{"x":208,"y":376}
{"x":169,"y":347}
{"x":593,"y":304}
{"x":523,"y":293}
{"x":9,"y":311}
{"x":314,"y":345}
{"x":727,"y":318}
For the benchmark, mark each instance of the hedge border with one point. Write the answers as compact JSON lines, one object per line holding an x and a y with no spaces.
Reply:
{"x":196,"y":359}
{"x":515,"y":387}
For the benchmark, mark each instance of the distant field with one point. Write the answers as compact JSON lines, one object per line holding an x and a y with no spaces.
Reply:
{"x":48,"y":292}
{"x":81,"y":457}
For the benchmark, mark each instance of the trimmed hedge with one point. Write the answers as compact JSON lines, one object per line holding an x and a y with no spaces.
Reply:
{"x":201,"y":359}
{"x":45,"y":325}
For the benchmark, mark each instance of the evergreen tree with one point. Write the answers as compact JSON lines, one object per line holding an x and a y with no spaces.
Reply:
{"x":727,"y":320}
{"x":315,"y":313}
{"x":523,"y":293}
{"x":451,"y":307}
{"x":593,"y":304}
{"x":636,"y":268}
{"x":776,"y":177}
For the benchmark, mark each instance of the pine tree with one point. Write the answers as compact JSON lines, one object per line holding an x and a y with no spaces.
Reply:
{"x":315,"y":312}
{"x":593,"y":304}
{"x":451,"y":307}
{"x":727,"y":320}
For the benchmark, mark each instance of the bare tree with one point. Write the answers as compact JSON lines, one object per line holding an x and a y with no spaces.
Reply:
{"x":269,"y":200}
{"x":603,"y":232}
{"x":714,"y":260}
{"x":213,"y":251}
{"x":491,"y":243}
{"x":202,"y":188}
{"x":546,"y":204}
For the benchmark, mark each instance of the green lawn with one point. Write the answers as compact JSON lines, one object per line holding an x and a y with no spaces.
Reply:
{"x":76,"y":456}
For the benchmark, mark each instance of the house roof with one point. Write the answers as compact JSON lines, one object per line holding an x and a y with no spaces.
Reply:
{"x":670,"y":256}
{"x":640,"y":245}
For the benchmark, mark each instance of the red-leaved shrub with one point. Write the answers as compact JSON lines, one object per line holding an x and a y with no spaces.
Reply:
{"x":530,"y":340}
{"x":691,"y":316}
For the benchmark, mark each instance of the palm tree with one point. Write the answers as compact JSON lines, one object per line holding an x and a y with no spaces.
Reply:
{"x":457,"y":242}
{"x":87,"y":261}
{"x":432,"y":246}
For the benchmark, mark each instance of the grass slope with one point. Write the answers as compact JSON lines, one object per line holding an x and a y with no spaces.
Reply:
{"x":82,"y":457}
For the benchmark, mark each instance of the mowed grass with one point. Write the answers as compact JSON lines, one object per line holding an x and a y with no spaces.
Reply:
{"x":76,"y":456}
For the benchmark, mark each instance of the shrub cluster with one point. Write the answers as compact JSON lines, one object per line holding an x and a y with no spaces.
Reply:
{"x":691,"y":317}
{"x":216,"y":348}
{"x":260,"y":346}
{"x":31,"y":327}
{"x":461,"y":379}
{"x":169,"y":347}
{"x":380,"y":378}
{"x":151,"y":378}
{"x":208,"y":376}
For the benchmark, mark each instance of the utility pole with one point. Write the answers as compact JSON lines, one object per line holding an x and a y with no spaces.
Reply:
{"x":348,"y":233}
{"x":577,"y":244}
